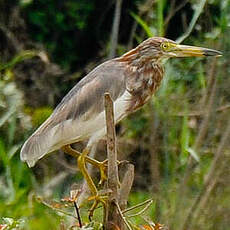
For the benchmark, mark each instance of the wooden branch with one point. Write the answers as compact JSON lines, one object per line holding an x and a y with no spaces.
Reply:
{"x":113,"y":179}
{"x":126,"y":186}
{"x":112,"y":216}
{"x":117,"y":199}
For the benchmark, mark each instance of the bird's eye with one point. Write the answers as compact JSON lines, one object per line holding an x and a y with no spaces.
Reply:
{"x":164,"y":46}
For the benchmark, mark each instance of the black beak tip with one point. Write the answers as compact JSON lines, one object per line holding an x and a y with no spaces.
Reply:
{"x":209,"y":52}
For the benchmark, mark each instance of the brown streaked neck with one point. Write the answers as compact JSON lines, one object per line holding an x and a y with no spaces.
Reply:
{"x":129,"y":56}
{"x":135,"y":59}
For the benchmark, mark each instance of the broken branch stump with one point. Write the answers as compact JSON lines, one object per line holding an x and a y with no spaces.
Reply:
{"x":117,"y":199}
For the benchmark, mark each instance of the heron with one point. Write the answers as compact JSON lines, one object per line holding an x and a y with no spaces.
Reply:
{"x":130,"y":79}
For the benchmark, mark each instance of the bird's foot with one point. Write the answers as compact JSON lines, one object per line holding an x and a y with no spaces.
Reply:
{"x":99,"y":198}
{"x":103,"y":167}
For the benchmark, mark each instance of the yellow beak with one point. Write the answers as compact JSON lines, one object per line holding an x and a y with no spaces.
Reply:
{"x":193,"y":51}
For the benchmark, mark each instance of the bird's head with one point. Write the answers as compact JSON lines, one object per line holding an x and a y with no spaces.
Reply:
{"x":161,"y":48}
{"x":157,"y":48}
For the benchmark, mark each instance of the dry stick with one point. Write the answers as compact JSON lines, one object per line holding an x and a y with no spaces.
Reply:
{"x":115,"y":29}
{"x":173,"y":10}
{"x":143,"y":9}
{"x":195,"y":17}
{"x":112,"y":214}
{"x":137,"y":206}
{"x":140,"y":212}
{"x":132,"y":34}
{"x":209,"y":189}
{"x":62,"y":225}
{"x":215,"y":163}
{"x":202,"y":132}
{"x":153,"y":147}
{"x":210,"y":82}
{"x":126,"y":186}
{"x":123,"y":217}
{"x":204,"y":125}
{"x":213,"y":87}
{"x":54,"y":208}
{"x":201,"y":113}
{"x":77,"y":213}
{"x":113,"y":179}
{"x":203,"y":129}
{"x":11,"y":37}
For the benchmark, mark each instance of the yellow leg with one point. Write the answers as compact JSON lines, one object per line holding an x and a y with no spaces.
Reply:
{"x":96,"y":197}
{"x":81,"y":165}
{"x":102,"y":166}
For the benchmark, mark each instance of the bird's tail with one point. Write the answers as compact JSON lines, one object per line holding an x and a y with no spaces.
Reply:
{"x":44,"y":141}
{"x":34,"y":149}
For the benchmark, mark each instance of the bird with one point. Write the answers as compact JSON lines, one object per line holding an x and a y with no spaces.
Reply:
{"x":130,"y":79}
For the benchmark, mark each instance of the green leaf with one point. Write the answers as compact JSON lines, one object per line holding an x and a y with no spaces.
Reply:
{"x":160,"y":17}
{"x":142,"y":24}
{"x":184,"y":141}
{"x":193,"y":154}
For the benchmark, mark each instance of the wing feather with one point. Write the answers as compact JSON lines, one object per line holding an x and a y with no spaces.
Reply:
{"x":83,"y":102}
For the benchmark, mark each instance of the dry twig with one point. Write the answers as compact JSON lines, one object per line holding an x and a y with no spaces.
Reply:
{"x":112,"y":214}
{"x":208,"y":185}
{"x":195,"y":17}
{"x":115,"y":30}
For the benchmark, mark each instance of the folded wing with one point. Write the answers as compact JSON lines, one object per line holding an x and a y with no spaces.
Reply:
{"x":84,"y":102}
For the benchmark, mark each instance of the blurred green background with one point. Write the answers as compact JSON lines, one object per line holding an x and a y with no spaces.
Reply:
{"x":179,"y":142}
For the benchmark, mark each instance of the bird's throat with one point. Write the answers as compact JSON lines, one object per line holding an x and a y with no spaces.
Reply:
{"x":142,"y":83}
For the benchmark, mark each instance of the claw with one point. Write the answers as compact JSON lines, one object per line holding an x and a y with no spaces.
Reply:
{"x":103,"y":172}
{"x":103,"y":166}
{"x":82,"y":158}
{"x":97,"y":199}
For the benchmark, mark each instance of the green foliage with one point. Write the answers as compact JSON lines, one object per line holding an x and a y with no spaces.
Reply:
{"x":23,"y":55}
{"x":160,"y":16}
{"x":143,"y":24}
{"x":54,"y":24}
{"x":14,"y":173}
{"x":75,"y":19}
{"x":136,"y":125}
{"x":16,"y":180}
{"x":92,"y":226}
{"x":10,"y":223}
{"x":39,"y":115}
{"x":180,"y":96}
{"x":137,"y":198}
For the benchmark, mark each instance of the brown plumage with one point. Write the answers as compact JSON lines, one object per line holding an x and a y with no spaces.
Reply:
{"x":130,"y":79}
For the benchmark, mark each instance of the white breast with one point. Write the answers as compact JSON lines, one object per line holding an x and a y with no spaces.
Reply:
{"x":98,"y":128}
{"x":94,"y":128}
